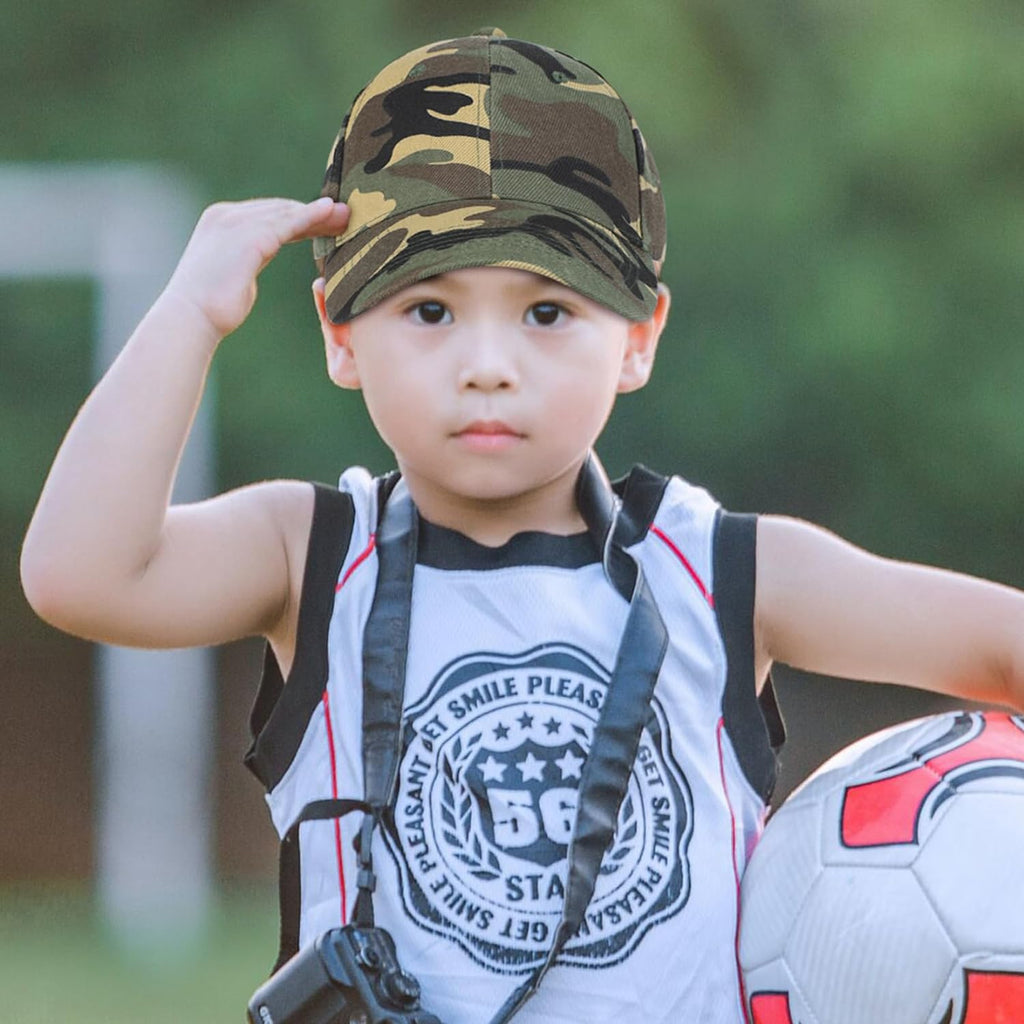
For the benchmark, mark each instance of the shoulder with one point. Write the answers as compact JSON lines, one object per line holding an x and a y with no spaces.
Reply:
{"x":682,"y":515}
{"x":688,"y":505}
{"x":301,"y":513}
{"x":287,"y":507}
{"x":308,"y":513}
{"x":650,"y":497}
{"x":321,"y":524}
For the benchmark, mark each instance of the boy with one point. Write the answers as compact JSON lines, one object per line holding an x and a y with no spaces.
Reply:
{"x":490,"y":286}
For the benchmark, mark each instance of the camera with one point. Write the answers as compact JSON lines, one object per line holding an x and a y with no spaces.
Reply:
{"x":348,"y":974}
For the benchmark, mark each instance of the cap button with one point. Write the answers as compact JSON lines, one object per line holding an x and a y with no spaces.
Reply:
{"x":495,"y":33}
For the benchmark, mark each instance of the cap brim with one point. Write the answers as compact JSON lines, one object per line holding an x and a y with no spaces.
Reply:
{"x":383,"y":258}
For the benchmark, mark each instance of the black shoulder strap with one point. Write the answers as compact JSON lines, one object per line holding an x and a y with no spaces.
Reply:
{"x":642,"y":492}
{"x":386,"y":645}
{"x":620,"y":722}
{"x":385,"y":652}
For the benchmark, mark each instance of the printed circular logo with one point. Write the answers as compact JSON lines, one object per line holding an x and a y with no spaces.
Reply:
{"x":487,"y":802}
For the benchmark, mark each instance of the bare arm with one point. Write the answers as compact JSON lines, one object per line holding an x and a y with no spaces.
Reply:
{"x":826,"y":606}
{"x":105,"y":557}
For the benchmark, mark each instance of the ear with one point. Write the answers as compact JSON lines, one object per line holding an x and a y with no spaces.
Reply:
{"x":642,"y":344}
{"x":341,"y":364}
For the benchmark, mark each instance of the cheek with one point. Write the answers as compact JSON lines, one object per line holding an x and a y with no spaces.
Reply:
{"x":385,"y":408}
{"x":594,"y":383}
{"x":582,"y":404}
{"x":399,"y":402}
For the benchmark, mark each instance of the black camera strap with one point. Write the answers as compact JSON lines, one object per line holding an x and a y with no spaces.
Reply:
{"x":616,"y":738}
{"x":290,"y":872}
{"x":605,"y":775}
{"x":385,"y":646}
{"x":385,"y":652}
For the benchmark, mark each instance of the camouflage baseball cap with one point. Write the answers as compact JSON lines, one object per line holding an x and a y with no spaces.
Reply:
{"x":490,"y":151}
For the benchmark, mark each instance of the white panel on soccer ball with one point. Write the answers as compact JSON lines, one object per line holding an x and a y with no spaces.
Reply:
{"x":868,"y":947}
{"x":788,"y":858}
{"x":976,"y":888}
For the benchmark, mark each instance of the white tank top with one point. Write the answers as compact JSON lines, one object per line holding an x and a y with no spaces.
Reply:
{"x":510,"y":652}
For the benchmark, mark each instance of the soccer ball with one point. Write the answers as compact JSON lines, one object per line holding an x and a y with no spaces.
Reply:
{"x":889,"y":887}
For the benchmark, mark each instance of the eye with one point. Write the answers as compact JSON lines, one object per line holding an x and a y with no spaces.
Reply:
{"x":430,"y":312}
{"x":546,"y":314}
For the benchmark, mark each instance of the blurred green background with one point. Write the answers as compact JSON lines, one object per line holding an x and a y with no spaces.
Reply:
{"x":845,"y":185}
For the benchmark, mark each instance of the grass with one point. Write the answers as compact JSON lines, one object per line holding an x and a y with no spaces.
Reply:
{"x":59,"y":966}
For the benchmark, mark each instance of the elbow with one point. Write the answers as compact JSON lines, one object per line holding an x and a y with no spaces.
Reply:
{"x":49,"y":590}
{"x":1012,"y":679}
{"x":40,"y":584}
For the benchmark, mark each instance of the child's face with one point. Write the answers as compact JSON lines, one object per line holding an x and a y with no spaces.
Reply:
{"x":490,"y":384}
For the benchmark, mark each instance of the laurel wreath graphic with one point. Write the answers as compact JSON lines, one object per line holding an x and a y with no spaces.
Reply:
{"x":457,"y":812}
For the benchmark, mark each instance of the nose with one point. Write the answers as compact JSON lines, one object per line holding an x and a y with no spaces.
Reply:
{"x":488,"y":361}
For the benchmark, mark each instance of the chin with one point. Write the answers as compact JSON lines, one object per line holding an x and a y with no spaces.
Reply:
{"x":491,"y":485}
{"x":494,"y":491}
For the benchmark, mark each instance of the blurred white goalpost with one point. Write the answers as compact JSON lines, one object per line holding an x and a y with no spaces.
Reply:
{"x":124,"y":227}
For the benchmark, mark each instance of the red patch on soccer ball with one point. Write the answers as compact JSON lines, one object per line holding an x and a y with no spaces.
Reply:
{"x":773,"y":1008}
{"x":993,"y":998}
{"x":886,"y":811}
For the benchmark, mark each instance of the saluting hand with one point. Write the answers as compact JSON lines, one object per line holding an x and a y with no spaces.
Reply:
{"x":233,"y":242}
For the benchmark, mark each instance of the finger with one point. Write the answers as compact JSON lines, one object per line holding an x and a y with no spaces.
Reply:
{"x":285,"y":221}
{"x":323,"y":217}
{"x":291,"y":221}
{"x":288,"y":218}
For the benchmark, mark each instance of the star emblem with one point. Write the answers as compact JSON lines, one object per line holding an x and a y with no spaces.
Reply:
{"x":525,"y":720}
{"x":500,"y":731}
{"x":531,"y":768}
{"x":570,"y":764}
{"x":492,"y":770}
{"x":552,"y":726}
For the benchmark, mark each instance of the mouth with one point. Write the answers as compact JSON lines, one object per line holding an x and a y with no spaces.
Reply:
{"x":488,"y":435}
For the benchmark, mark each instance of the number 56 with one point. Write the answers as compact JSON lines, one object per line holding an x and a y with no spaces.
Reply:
{"x":515,"y":820}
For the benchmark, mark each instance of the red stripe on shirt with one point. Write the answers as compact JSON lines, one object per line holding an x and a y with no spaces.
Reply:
{"x":665,"y":539}
{"x":334,"y":792}
{"x":735,"y":865}
{"x":362,"y":557}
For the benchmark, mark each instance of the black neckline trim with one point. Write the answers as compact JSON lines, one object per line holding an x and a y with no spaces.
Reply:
{"x":440,"y":547}
{"x":443,"y":548}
